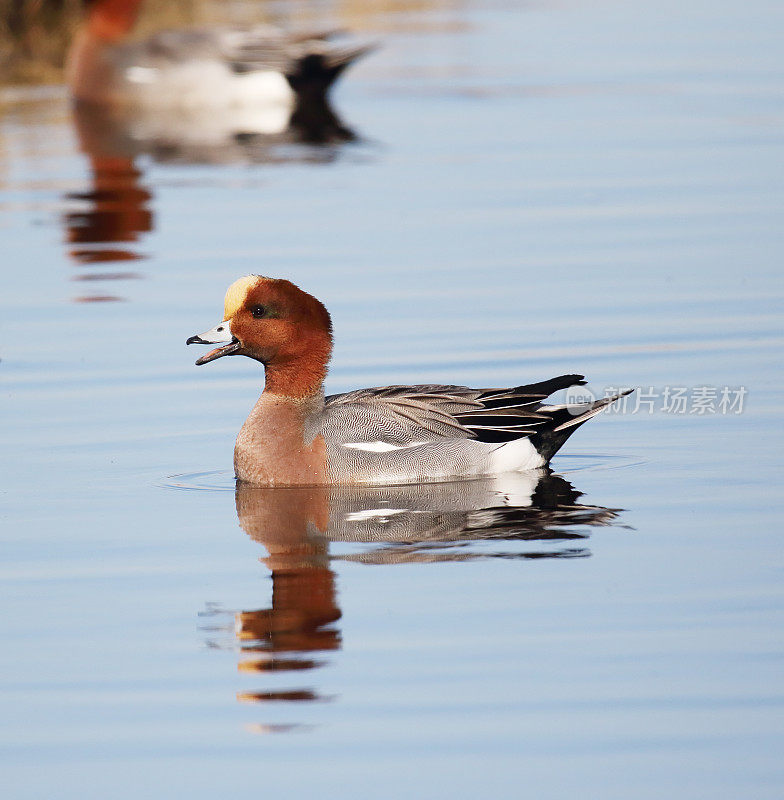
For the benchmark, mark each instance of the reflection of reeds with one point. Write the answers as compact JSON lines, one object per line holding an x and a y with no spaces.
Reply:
{"x":35,"y":34}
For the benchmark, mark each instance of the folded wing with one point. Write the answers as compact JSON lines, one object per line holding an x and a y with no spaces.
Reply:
{"x":402,"y":416}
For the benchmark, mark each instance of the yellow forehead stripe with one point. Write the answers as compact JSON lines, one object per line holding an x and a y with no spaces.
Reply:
{"x":236,"y":294}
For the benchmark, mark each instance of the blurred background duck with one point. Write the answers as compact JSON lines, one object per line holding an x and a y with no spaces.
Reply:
{"x":188,"y":96}
{"x":262,"y":80}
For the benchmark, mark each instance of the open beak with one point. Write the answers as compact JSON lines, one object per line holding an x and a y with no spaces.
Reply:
{"x":220,"y":333}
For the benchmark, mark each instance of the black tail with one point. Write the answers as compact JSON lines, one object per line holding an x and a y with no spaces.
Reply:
{"x":563,"y":421}
{"x":546,"y":388}
{"x":312,"y":75}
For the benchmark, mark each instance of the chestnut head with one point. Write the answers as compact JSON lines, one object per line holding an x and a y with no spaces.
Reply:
{"x":273,"y":321}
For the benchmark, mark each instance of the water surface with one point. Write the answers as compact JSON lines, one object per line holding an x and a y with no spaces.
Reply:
{"x":533,"y":190}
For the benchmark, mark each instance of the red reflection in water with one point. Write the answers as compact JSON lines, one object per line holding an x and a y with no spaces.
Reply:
{"x":113,"y":211}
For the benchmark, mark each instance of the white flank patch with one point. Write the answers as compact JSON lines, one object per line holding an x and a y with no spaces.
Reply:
{"x":515,"y":456}
{"x":268,"y":86}
{"x":212,"y":86}
{"x":379,"y":447}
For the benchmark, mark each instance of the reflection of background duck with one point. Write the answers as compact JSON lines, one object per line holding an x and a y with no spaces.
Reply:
{"x":104,"y":223}
{"x":402,"y":524}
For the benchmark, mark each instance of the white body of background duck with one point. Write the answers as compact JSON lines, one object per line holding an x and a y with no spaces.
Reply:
{"x":260,"y":76}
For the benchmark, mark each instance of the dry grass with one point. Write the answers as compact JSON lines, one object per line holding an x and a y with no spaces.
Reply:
{"x":35,"y":34}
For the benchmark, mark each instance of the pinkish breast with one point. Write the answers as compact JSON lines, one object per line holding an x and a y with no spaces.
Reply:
{"x":271,"y":449}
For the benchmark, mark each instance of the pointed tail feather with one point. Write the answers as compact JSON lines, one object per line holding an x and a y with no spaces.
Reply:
{"x":314,"y":74}
{"x":317,"y":33}
{"x":547,"y":387}
{"x":338,"y":59}
{"x":549,"y":440}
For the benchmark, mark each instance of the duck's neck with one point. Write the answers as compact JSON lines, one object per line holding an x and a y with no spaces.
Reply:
{"x":89,"y":68}
{"x":112,"y":20}
{"x":301,"y":374}
{"x":289,"y":382}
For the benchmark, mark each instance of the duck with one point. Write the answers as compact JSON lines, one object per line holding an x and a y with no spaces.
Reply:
{"x":296,"y":435}
{"x":198,"y":68}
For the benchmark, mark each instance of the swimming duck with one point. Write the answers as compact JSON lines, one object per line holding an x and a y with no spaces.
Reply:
{"x":386,"y":435}
{"x":195,"y":68}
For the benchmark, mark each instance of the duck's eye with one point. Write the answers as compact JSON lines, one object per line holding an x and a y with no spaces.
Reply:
{"x":258,"y":312}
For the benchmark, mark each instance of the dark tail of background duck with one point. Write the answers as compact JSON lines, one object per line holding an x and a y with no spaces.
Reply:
{"x":314,"y":74}
{"x":313,"y":116}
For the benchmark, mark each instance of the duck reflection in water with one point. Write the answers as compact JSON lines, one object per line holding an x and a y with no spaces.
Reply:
{"x":105,"y":221}
{"x":526,"y":516}
{"x":210,"y":96}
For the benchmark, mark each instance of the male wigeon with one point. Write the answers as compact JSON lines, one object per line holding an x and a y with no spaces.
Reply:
{"x":217,"y":68}
{"x":387,"y":435}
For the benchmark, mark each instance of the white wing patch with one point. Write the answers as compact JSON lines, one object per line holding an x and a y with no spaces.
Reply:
{"x":379,"y":447}
{"x":379,"y":514}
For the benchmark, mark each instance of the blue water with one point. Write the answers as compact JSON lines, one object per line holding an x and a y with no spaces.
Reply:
{"x":534,"y":190}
